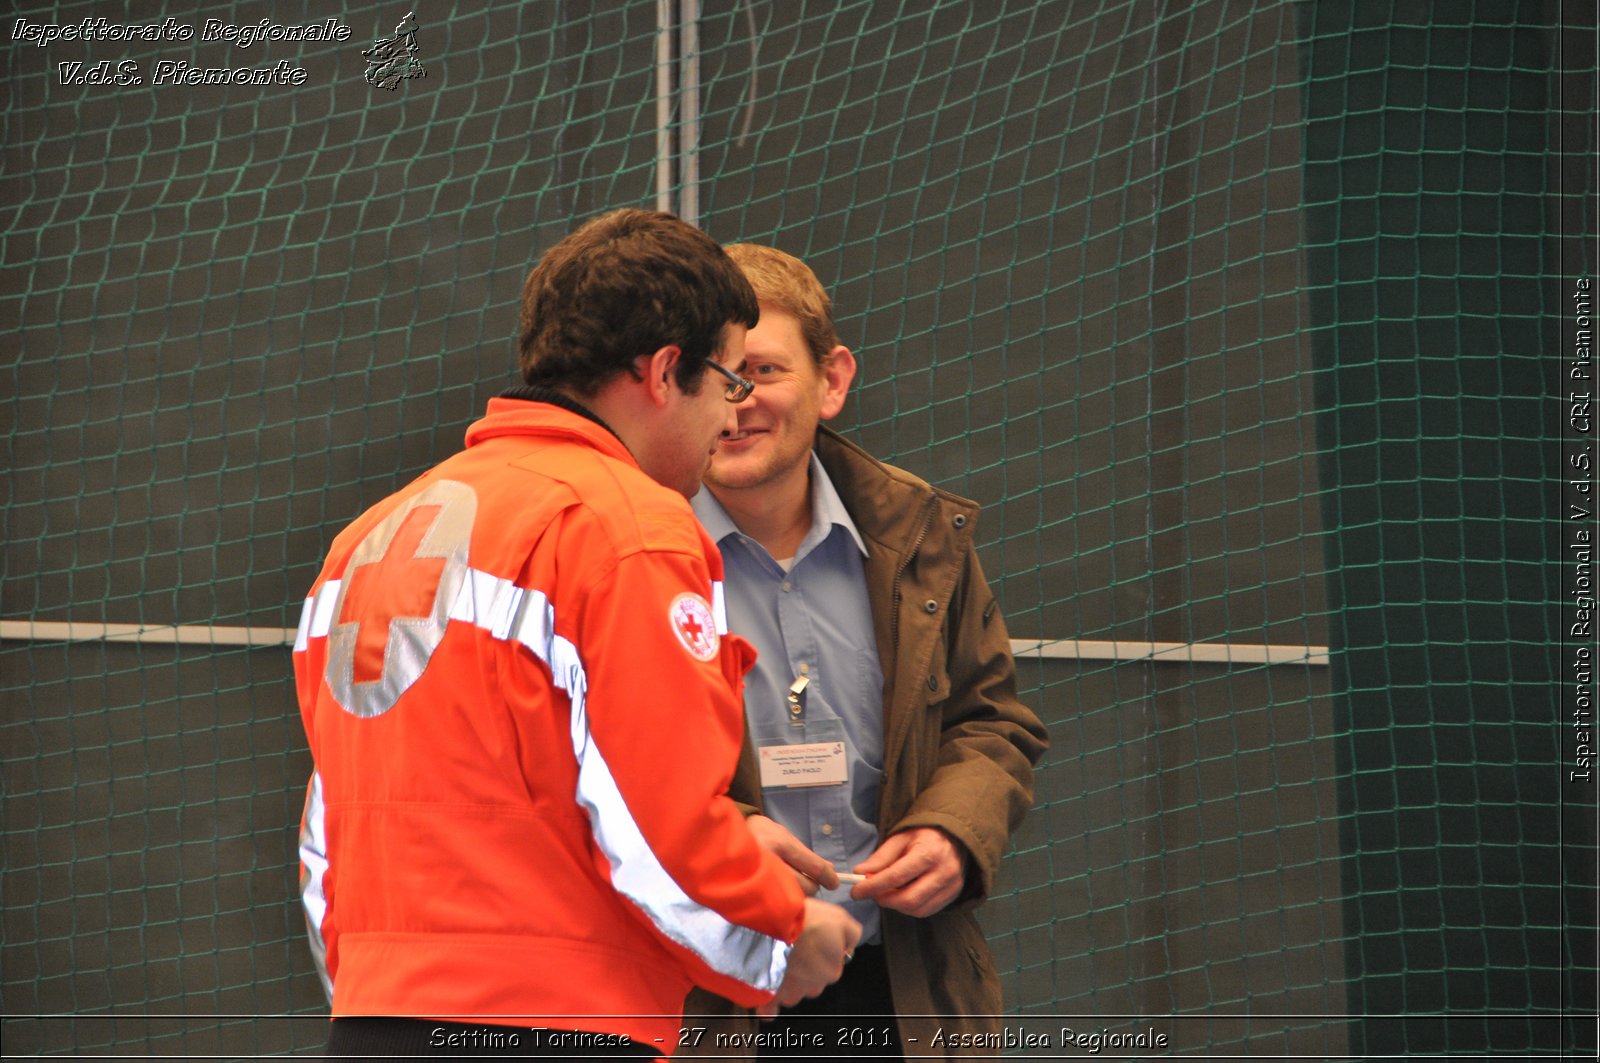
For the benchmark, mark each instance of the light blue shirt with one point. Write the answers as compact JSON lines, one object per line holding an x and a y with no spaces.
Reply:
{"x":814,"y":620}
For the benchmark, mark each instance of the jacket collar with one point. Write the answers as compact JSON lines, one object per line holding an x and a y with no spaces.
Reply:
{"x":523,"y":411}
{"x":535,"y":393}
{"x":887,"y":504}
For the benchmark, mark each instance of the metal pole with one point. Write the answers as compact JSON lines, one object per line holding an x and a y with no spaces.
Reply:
{"x":689,"y":112}
{"x":664,"y":40}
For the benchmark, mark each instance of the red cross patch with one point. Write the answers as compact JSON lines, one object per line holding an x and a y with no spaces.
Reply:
{"x":395,"y":596}
{"x":694,"y":625}
{"x":399,"y":583}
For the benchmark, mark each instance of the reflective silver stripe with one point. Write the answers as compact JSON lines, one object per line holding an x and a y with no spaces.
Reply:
{"x":735,"y":951}
{"x":322,"y":618}
{"x":536,"y":625}
{"x":487,"y":601}
{"x":313,"y":866}
{"x":304,"y":629}
{"x":317,"y":615}
{"x":719,"y":607}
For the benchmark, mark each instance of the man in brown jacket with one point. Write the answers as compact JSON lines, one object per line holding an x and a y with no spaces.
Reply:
{"x":884,"y":736}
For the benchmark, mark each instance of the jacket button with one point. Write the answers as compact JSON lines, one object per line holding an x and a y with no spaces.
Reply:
{"x":930,"y":607}
{"x":961,"y":520}
{"x":933,"y":682}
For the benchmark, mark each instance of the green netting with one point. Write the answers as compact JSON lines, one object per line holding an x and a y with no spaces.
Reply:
{"x":1244,"y":320}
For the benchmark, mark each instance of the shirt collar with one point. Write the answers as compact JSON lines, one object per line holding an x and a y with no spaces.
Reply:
{"x":827,"y":510}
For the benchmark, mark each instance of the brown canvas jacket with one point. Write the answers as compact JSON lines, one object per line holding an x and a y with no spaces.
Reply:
{"x":959,"y":748}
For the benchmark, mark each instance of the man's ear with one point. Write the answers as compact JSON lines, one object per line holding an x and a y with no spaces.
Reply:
{"x":838,"y":370}
{"x":659,"y":369}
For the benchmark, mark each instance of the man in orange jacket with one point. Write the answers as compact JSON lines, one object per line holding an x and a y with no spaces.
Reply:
{"x":523,"y":702}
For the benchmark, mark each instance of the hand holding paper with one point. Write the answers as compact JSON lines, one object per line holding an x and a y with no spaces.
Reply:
{"x":917,"y":871}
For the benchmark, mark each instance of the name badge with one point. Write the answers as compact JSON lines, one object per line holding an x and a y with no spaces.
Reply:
{"x":809,"y":764}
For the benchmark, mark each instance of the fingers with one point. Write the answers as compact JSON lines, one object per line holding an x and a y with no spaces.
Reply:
{"x":778,"y":840}
{"x":923,"y":899}
{"x":917,"y":872}
{"x":896,"y":876}
{"x":817,"y":959}
{"x":886,"y":854}
{"x":900,"y":860}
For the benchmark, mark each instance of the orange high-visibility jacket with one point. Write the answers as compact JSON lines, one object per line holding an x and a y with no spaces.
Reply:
{"x":524,"y":711}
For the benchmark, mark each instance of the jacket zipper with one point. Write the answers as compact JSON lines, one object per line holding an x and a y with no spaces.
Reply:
{"x":905,"y":563}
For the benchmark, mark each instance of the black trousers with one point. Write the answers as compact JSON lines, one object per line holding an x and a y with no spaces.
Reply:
{"x":402,"y":1038}
{"x":852,"y":1018}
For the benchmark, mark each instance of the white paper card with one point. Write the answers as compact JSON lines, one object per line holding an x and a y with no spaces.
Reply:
{"x":810,"y":764}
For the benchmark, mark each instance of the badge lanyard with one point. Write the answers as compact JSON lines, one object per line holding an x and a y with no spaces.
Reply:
{"x":801,"y":752}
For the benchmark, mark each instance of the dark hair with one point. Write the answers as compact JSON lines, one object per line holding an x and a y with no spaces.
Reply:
{"x":624,"y":284}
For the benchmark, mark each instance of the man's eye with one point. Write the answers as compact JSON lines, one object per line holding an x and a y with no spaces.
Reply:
{"x":764,"y":370}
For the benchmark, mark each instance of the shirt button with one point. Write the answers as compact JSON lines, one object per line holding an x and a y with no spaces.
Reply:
{"x":827,"y":828}
{"x":804,"y":668}
{"x":786,"y":585}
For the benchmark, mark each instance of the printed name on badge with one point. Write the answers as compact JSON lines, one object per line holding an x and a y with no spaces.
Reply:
{"x":810,"y":764}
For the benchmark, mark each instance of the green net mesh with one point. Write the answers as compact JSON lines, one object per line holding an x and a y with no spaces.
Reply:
{"x":1237,"y":316}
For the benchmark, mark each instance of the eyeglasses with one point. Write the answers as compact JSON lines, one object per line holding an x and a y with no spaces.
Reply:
{"x":739,"y":388}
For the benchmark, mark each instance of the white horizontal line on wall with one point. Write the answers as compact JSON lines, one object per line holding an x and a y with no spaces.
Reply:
{"x":1181,"y":652}
{"x":1058,"y":649}
{"x":188,"y":634}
